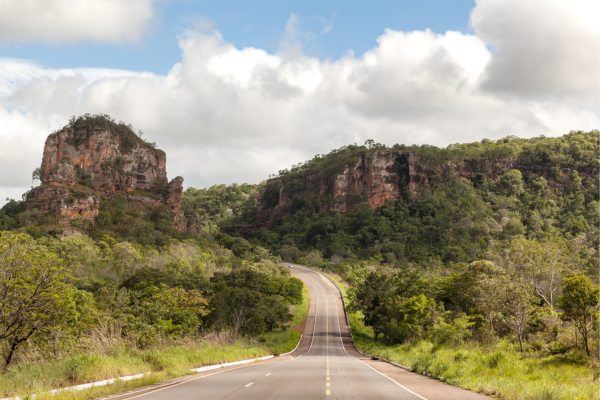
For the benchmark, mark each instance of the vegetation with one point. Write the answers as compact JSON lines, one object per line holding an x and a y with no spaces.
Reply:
{"x":137,"y":222}
{"x":505,"y":262}
{"x":580,"y":305}
{"x":33,"y":291}
{"x":113,"y":357}
{"x":494,"y":368}
{"x":219,"y":203}
{"x":285,"y":340}
{"x":498,"y":371}
{"x":461,"y":279}
{"x":85,"y":125}
{"x":124,"y":308}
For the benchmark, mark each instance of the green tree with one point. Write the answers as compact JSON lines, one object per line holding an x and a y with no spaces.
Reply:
{"x":369,"y":297}
{"x":412,"y":318}
{"x":540,"y":263}
{"x":77,"y":316}
{"x":513,"y":182}
{"x":33,"y":290}
{"x":482,"y":284}
{"x":580,"y":304}
{"x":516,"y":304}
{"x":314,"y":258}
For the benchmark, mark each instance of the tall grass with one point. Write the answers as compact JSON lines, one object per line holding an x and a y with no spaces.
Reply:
{"x":500,"y":370}
{"x":113,"y":357}
{"x":164,"y":362}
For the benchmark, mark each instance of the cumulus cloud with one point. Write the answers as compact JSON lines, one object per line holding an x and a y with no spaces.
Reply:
{"x":541,"y":48}
{"x":227,"y":115}
{"x":54,"y":21}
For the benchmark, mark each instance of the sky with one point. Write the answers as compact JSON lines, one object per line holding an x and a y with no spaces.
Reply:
{"x":234,"y":90}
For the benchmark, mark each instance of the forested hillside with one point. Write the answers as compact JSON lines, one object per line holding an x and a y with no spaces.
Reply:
{"x":219,"y":203}
{"x":487,"y":246}
{"x":450,"y":221}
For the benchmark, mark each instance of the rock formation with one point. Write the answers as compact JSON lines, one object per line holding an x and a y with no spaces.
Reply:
{"x":381,"y":176}
{"x":84,"y":162}
{"x":72,"y":157}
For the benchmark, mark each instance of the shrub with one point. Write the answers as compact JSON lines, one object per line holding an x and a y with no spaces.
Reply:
{"x":558,"y":347}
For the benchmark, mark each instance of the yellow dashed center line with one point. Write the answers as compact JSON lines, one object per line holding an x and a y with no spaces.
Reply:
{"x":327,"y":392}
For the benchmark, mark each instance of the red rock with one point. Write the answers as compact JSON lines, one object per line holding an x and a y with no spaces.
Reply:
{"x":78,"y":167}
{"x":102,"y":160}
{"x":381,"y":176}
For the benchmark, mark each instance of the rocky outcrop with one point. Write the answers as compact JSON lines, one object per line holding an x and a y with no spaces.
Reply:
{"x":82,"y":164}
{"x":182,"y":222}
{"x":187,"y":222}
{"x":381,"y":176}
{"x":101,"y":161}
{"x":64,"y":202}
{"x":175,"y":193}
{"x":373,"y":180}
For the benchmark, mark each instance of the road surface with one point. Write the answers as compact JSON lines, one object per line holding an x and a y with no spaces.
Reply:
{"x":325,"y":365}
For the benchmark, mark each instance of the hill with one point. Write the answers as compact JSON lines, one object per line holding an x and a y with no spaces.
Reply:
{"x":99,"y":177}
{"x":427,"y":206}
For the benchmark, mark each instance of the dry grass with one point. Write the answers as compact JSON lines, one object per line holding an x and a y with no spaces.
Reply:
{"x":105,"y":355}
{"x":114,"y":358}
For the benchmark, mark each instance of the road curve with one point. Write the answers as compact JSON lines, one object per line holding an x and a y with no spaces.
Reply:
{"x":325,"y":365}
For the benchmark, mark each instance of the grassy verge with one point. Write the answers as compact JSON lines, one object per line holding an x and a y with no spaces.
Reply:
{"x":164,"y":363}
{"x":280,"y":342}
{"x":501,"y":371}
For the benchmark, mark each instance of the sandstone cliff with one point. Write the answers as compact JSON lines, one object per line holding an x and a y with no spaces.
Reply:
{"x":94,"y":158}
{"x":380,"y":176}
{"x":99,"y":157}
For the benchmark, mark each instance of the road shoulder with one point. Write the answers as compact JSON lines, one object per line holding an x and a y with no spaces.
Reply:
{"x":429,"y":388}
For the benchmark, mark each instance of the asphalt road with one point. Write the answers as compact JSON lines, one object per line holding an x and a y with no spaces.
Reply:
{"x":325,"y":365}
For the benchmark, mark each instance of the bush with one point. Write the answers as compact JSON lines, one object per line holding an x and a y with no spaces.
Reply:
{"x":558,"y":347}
{"x":496,"y":358}
{"x":537,"y":345}
{"x":35,"y":232}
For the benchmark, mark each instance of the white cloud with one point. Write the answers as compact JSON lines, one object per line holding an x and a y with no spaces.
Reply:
{"x":227,"y":115}
{"x":542,"y":48}
{"x":53,"y":21}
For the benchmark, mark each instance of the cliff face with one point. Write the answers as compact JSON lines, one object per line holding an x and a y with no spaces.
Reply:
{"x":65,"y":203}
{"x":80,"y":167}
{"x":375,"y":179}
{"x":381,"y":176}
{"x":101,"y":161}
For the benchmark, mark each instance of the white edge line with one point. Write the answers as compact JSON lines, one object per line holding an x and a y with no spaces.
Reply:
{"x":87,"y":385}
{"x":342,"y":342}
{"x":290,"y":352}
{"x":128,"y":378}
{"x":202,"y":369}
{"x":208,"y":368}
{"x":314,"y":325}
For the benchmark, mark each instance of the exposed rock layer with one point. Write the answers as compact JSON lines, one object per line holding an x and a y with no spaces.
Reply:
{"x":64,"y":202}
{"x":381,"y":176}
{"x":74,"y":177}
{"x":101,"y":161}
